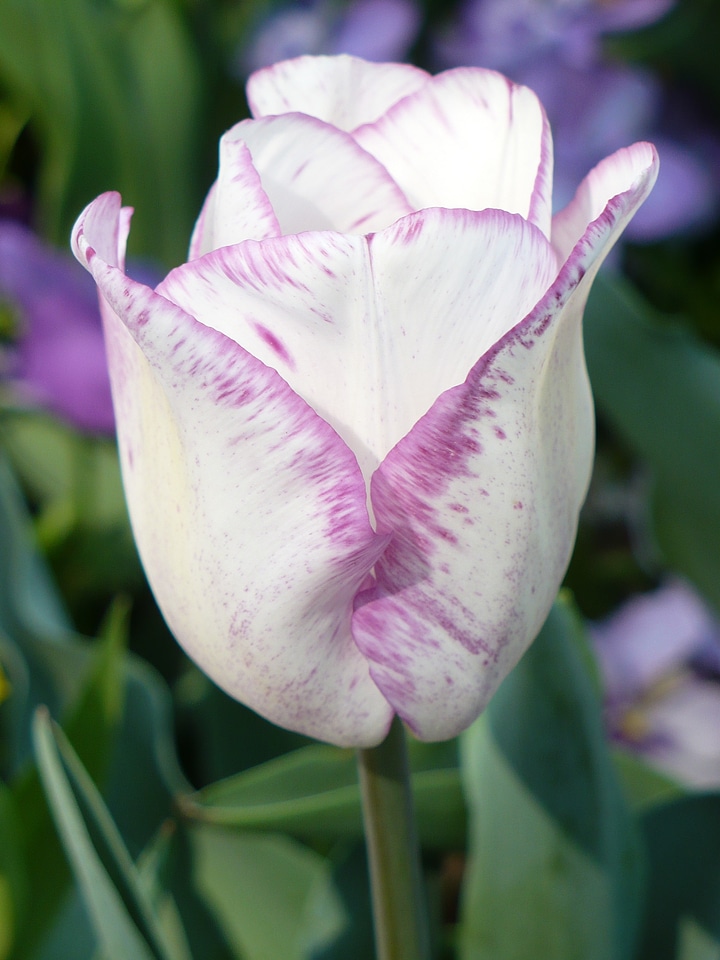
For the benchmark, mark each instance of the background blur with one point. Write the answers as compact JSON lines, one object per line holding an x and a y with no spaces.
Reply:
{"x":612,"y":726}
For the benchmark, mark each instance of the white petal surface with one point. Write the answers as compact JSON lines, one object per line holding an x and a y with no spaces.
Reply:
{"x":248,"y":510}
{"x":468,"y":138}
{"x":344,"y":91}
{"x":481,"y":499}
{"x":317,"y":177}
{"x":371,"y":331}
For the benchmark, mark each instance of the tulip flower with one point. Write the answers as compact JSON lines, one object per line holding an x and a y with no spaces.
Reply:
{"x":356,"y":427}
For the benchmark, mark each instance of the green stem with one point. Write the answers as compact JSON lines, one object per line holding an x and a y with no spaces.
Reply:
{"x":399,"y":910}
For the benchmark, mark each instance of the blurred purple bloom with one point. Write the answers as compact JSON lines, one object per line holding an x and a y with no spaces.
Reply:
{"x":372,"y":29}
{"x":58,"y":361}
{"x":507,"y":34}
{"x":660,"y":660}
{"x":594,"y":105}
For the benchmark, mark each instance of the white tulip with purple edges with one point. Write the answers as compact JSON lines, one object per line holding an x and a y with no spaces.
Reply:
{"x":356,"y":427}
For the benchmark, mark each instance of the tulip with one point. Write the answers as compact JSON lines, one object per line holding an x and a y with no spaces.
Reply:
{"x":356,"y":428}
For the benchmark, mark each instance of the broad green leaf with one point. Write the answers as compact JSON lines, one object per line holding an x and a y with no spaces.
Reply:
{"x":553,"y":870}
{"x":313,"y":793}
{"x":696,"y":943}
{"x":258,"y":888}
{"x":93,"y":717}
{"x":683,"y":843}
{"x":659,"y":386}
{"x":13,"y":877}
{"x":338,"y":916}
{"x":643,"y":786}
{"x":117,"y":708}
{"x":118,"y":902}
{"x":80,"y":518}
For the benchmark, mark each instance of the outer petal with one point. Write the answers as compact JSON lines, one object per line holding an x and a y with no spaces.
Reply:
{"x":482,"y":498}
{"x":609,"y":178}
{"x":317,"y":177}
{"x":371,"y":331}
{"x":344,"y":91}
{"x":468,"y":138}
{"x":248,"y":510}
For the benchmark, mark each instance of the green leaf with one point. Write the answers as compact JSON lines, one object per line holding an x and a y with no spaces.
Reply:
{"x":118,"y":710}
{"x":313,"y":793}
{"x":258,"y":888}
{"x":117,"y":901}
{"x":683,"y":843}
{"x":94,"y":718}
{"x":338,"y":919}
{"x":659,"y":386}
{"x":643,"y":786}
{"x":553,"y":870}
{"x":696,"y":943}
{"x":13,"y":876}
{"x":114,"y":96}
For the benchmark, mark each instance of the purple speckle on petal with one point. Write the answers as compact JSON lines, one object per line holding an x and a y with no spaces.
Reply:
{"x":275,"y":344}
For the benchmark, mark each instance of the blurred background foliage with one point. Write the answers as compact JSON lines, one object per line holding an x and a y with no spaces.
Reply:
{"x":580,"y":817}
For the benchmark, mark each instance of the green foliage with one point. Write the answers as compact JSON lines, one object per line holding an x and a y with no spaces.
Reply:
{"x":313,"y":793}
{"x":118,"y":902}
{"x":682,"y":916}
{"x":114,"y":93}
{"x":659,"y":386}
{"x":555,"y":866}
{"x":115,"y":709}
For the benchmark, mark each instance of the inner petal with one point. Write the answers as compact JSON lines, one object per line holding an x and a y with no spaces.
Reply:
{"x":468,"y":138}
{"x":369,"y":331}
{"x":344,"y":91}
{"x":317,"y":177}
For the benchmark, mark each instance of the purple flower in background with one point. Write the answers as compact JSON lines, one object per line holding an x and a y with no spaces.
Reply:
{"x":594,"y":104}
{"x":507,"y":35}
{"x":659,"y":655}
{"x":58,"y":360}
{"x":372,"y":29}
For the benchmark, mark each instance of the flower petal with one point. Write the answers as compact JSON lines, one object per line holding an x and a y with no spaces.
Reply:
{"x":468,"y":138}
{"x":249,"y":511}
{"x":605,"y":181}
{"x":338,"y":317}
{"x":237,"y":208}
{"x":482,"y":499}
{"x":344,"y":91}
{"x":317,"y":177}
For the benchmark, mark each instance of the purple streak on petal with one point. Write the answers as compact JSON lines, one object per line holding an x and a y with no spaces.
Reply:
{"x":60,"y":357}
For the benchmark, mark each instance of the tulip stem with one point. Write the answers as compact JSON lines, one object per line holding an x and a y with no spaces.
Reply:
{"x":399,"y":909}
